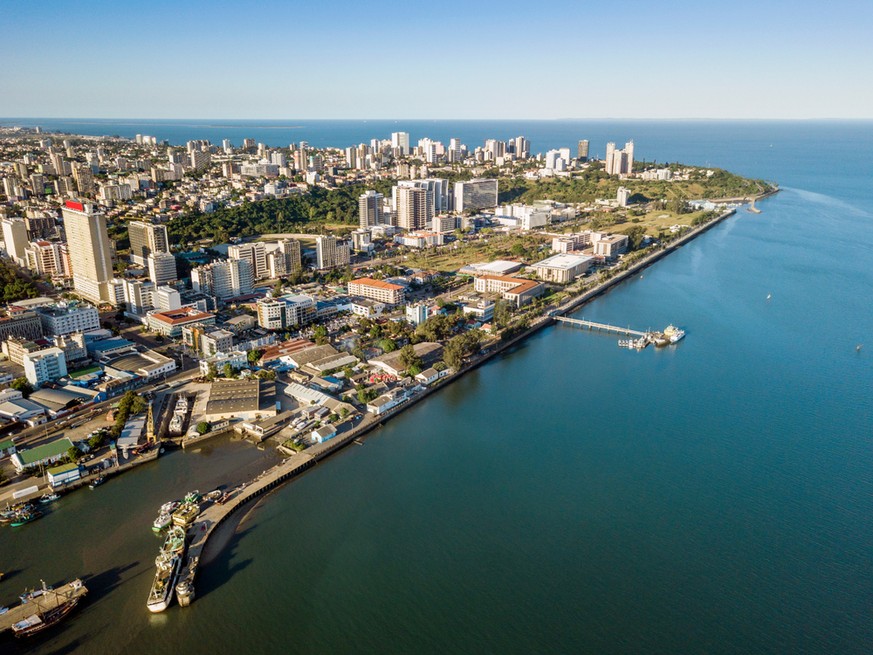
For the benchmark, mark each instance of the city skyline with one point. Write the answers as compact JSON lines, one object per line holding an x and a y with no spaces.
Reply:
{"x":745,"y":61}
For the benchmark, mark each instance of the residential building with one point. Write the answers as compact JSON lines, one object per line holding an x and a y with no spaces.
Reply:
{"x":582,"y":151}
{"x":166,"y":298}
{"x":619,"y":162}
{"x":390,"y":294}
{"x":563,"y":268}
{"x":15,"y":348}
{"x":145,"y":239}
{"x":400,"y":140}
{"x":90,"y":252}
{"x":414,"y":207}
{"x":287,"y":311}
{"x":331,"y":253}
{"x":223,"y":279}
{"x":40,"y":455}
{"x":15,"y":239}
{"x":162,"y":268}
{"x":370,"y":209}
{"x":474,"y":195}
{"x":622,"y":196}
{"x":66,"y":318}
{"x":44,"y":366}
{"x":417,"y":313}
{"x":46,"y":258}
{"x":253,"y":253}
{"x":290,"y":249}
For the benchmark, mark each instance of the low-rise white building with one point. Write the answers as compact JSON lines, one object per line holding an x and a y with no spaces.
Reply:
{"x":563,"y":268}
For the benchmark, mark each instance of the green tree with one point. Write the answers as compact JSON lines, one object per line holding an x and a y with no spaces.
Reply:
{"x":387,"y":345}
{"x":227,"y":370}
{"x":409,"y":357}
{"x":22,"y":385}
{"x":254,"y":355}
{"x":202,"y":427}
{"x":320,"y":334}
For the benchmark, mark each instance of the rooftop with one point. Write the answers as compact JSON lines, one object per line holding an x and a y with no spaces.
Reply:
{"x":179,"y":316}
{"x":45,"y":451}
{"x":376,"y":284}
{"x":233,"y":396}
{"x":564,"y":261}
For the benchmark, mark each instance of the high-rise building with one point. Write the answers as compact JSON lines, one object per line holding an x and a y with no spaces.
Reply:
{"x":582,"y":152}
{"x":255,"y":254}
{"x":619,"y":162}
{"x":44,"y":366}
{"x":162,"y":268}
{"x":45,"y":258}
{"x":414,"y":207}
{"x":15,"y":239}
{"x":223,"y":279}
{"x":370,"y":208}
{"x":400,"y":140}
{"x":90,"y":252}
{"x":331,"y":252}
{"x":145,"y":239}
{"x":473,"y":195}
{"x":290,"y":248}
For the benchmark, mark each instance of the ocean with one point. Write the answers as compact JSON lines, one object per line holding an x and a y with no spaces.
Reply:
{"x":568,"y":496}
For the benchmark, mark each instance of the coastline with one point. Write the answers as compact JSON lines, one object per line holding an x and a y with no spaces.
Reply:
{"x":289,"y":469}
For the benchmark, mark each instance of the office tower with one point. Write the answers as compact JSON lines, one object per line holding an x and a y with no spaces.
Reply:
{"x":582,"y":152}
{"x":400,"y":140}
{"x":15,"y":239}
{"x":331,"y":252}
{"x":90,"y":253}
{"x":162,"y":268}
{"x":255,"y":254}
{"x":370,"y":209}
{"x":414,"y":207}
{"x":145,"y":239}
{"x":473,"y":195}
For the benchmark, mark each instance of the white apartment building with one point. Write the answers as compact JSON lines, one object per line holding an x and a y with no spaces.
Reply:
{"x":162,"y":268}
{"x":90,"y":253}
{"x":15,"y":239}
{"x":331,"y":253}
{"x":223,"y":279}
{"x":68,"y":318}
{"x":385,"y":292}
{"x":253,"y":253}
{"x":44,"y":366}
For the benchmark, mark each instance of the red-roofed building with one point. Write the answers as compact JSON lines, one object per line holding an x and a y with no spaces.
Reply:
{"x":390,"y":294}
{"x":170,"y":323}
{"x":285,"y":348}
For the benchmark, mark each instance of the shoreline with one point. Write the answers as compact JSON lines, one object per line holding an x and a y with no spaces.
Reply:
{"x":216,"y":515}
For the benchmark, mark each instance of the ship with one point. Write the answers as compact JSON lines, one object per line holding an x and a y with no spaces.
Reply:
{"x":185,"y":515}
{"x":45,"y":499}
{"x":673,"y":333}
{"x":25,"y":516}
{"x":185,"y":586}
{"x":165,"y":578}
{"x":41,"y":619}
{"x":162,"y":522}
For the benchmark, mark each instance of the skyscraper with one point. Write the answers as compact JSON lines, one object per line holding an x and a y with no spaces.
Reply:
{"x":223,"y":279}
{"x":255,"y":254}
{"x":582,"y":153}
{"x":89,"y":249}
{"x":162,"y":268}
{"x":290,"y":248}
{"x":370,"y":208}
{"x":145,"y":239}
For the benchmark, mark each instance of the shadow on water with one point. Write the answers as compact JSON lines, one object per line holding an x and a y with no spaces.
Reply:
{"x":104,"y":582}
{"x":218,"y":568}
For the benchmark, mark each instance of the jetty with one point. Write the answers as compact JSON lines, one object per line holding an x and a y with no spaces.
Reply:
{"x":602,"y":327}
{"x":40,"y":602}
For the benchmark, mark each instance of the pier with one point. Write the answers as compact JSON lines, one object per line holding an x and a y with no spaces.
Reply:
{"x":602,"y":327}
{"x":45,"y":601}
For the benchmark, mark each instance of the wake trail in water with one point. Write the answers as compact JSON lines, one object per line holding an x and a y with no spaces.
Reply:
{"x":830,"y":201}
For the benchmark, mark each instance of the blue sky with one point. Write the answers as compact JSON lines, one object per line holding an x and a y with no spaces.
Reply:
{"x":452,"y":59}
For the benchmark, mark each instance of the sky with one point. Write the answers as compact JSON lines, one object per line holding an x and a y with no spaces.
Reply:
{"x":451,"y":59}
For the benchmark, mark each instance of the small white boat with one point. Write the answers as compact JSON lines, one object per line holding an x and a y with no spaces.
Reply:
{"x":674,"y":334}
{"x":45,"y":499}
{"x":162,"y":522}
{"x":169,"y":507}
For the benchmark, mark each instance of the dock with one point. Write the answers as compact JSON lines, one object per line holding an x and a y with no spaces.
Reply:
{"x":45,"y":601}
{"x":603,"y":327}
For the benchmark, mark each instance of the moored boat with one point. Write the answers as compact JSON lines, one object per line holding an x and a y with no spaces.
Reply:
{"x":96,"y":482}
{"x":162,"y":522}
{"x":161,"y":593}
{"x":25,"y":516}
{"x":185,"y":515}
{"x":37,"y":623}
{"x":673,"y":333}
{"x":45,"y":499}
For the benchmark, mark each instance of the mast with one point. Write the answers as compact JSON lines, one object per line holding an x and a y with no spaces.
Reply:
{"x":150,"y":426}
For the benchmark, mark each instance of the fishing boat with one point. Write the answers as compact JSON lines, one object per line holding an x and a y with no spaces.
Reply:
{"x":213,"y":495}
{"x":169,"y":507}
{"x":185,"y":586}
{"x":96,"y":482}
{"x":192,"y":497}
{"x":162,"y":522}
{"x":25,"y":516}
{"x":45,"y":499}
{"x":168,"y":564}
{"x":185,"y":515}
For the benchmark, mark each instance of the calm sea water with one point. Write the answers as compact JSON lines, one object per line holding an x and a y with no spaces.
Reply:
{"x":570,"y":496}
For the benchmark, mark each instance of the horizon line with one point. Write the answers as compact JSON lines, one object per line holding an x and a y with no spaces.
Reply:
{"x":365,"y":119}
